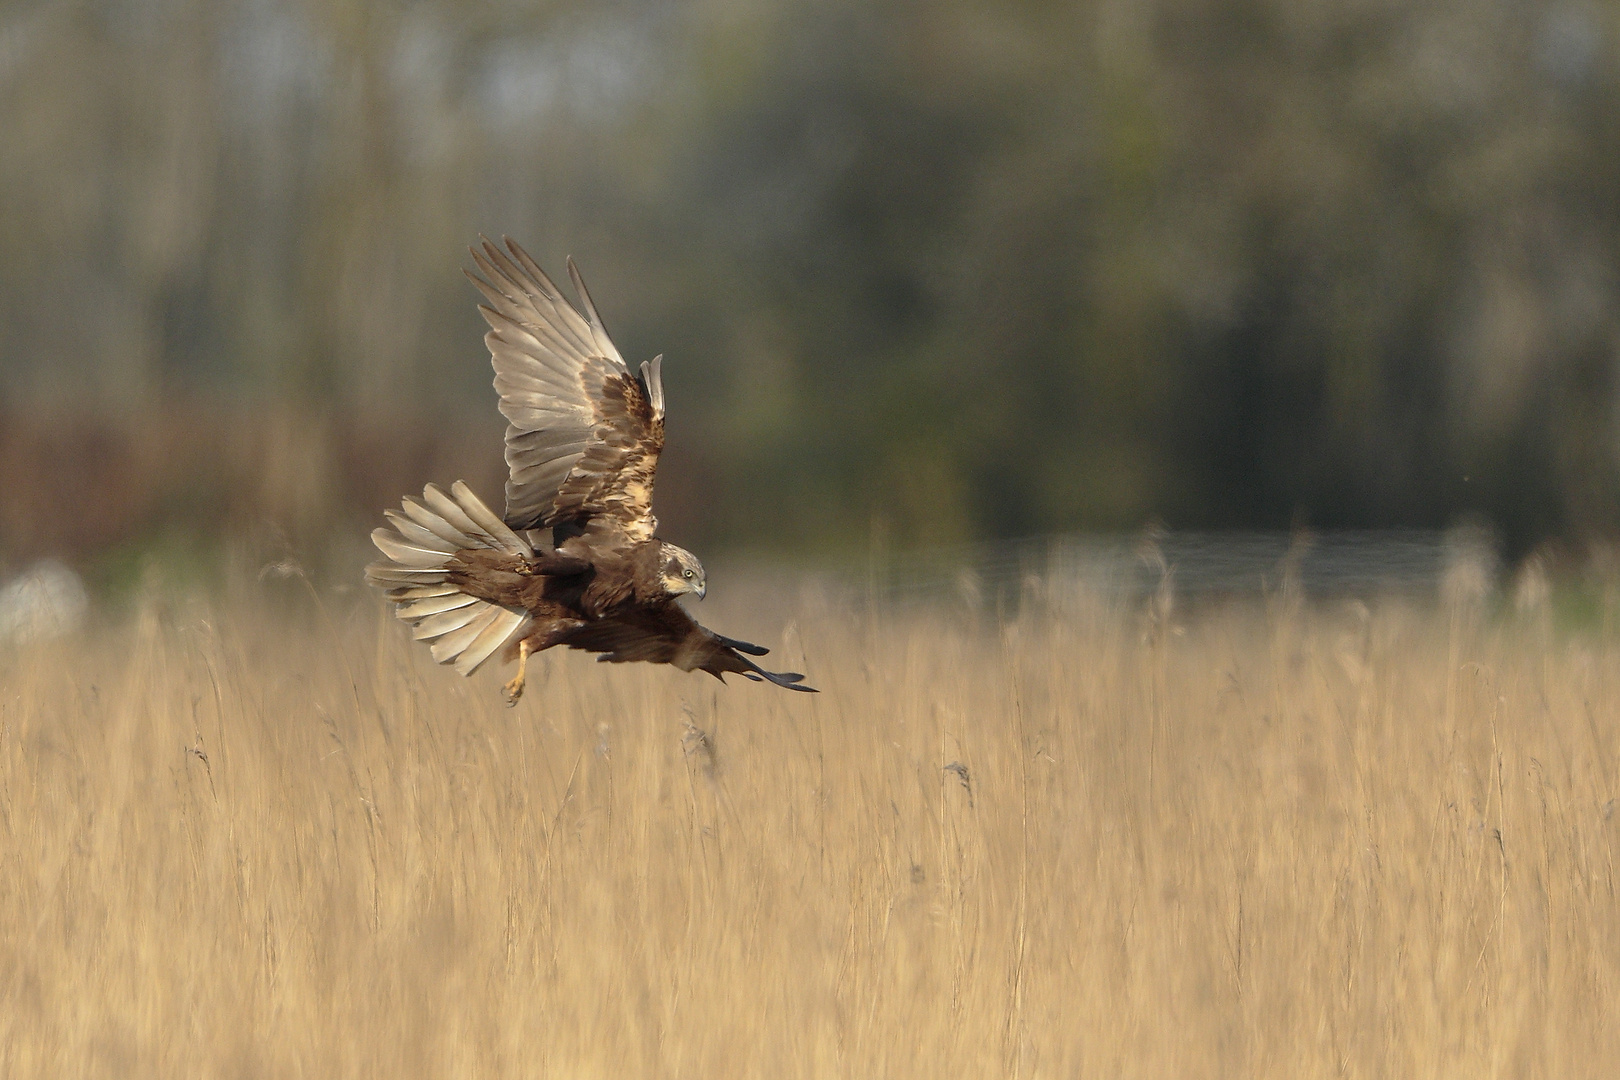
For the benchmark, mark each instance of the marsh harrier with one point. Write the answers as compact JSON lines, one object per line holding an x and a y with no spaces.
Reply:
{"x":575,"y":560}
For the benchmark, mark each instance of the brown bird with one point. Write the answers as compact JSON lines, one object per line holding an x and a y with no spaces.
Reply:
{"x":582,"y":444}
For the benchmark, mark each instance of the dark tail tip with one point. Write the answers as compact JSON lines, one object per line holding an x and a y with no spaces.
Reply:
{"x":790,"y":680}
{"x":743,"y":646}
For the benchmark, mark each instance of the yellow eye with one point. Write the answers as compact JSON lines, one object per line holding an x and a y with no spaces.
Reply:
{"x":688,"y":573}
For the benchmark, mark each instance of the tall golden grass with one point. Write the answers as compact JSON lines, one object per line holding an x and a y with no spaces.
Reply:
{"x":253,"y":837}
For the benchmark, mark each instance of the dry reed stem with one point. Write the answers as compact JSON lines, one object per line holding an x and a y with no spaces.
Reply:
{"x":1305,"y":842}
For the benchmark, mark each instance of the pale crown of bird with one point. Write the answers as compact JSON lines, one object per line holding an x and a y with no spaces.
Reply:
{"x":682,"y":572}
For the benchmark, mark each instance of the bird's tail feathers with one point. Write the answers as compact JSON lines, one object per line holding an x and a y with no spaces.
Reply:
{"x":789,"y":680}
{"x":461,"y":629}
{"x":742,"y":646}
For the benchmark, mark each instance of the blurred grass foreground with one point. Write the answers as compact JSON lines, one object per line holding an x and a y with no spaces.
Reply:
{"x":263,"y":835}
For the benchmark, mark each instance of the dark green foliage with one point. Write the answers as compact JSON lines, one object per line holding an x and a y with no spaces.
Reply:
{"x":921,"y":272}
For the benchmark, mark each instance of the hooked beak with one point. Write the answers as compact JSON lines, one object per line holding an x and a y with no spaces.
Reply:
{"x":702,"y":589}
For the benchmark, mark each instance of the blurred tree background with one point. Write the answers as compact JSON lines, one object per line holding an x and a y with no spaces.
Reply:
{"x":926,"y":271}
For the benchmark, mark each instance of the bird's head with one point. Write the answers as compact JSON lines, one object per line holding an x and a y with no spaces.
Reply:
{"x":682,"y":572}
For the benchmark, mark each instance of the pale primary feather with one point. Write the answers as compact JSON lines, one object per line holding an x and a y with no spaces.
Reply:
{"x":505,"y":538}
{"x":432,"y":605}
{"x":432,"y":626}
{"x":454,"y":643}
{"x":405,"y":554}
{"x":585,"y":432}
{"x":436,"y":524}
{"x":500,"y":630}
{"x":418,"y":535}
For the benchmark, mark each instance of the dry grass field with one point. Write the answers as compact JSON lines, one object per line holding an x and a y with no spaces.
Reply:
{"x":254,"y":836}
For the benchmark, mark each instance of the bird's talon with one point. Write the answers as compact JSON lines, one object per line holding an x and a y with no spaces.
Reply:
{"x":514,"y":688}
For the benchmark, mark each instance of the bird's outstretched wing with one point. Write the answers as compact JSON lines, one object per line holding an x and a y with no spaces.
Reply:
{"x":584,"y":431}
{"x":666,"y":634}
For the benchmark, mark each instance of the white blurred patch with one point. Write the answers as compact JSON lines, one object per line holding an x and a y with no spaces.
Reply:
{"x":43,"y":602}
{"x":1472,"y":566}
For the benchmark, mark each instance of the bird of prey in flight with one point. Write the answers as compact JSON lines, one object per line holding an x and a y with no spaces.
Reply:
{"x":575,"y":560}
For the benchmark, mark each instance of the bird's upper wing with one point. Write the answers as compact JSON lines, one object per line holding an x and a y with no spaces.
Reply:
{"x":666,"y":634}
{"x":584,"y":432}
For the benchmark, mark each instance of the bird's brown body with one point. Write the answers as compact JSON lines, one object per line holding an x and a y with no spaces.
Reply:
{"x":582,"y":445}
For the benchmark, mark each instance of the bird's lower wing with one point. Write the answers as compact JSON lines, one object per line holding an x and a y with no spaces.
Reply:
{"x":666,"y":634}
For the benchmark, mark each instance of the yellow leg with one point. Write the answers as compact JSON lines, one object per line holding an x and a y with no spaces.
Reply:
{"x":514,"y":689}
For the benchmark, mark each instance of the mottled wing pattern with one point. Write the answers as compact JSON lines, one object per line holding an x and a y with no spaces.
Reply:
{"x":424,"y":552}
{"x":584,"y":431}
{"x":666,"y":634}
